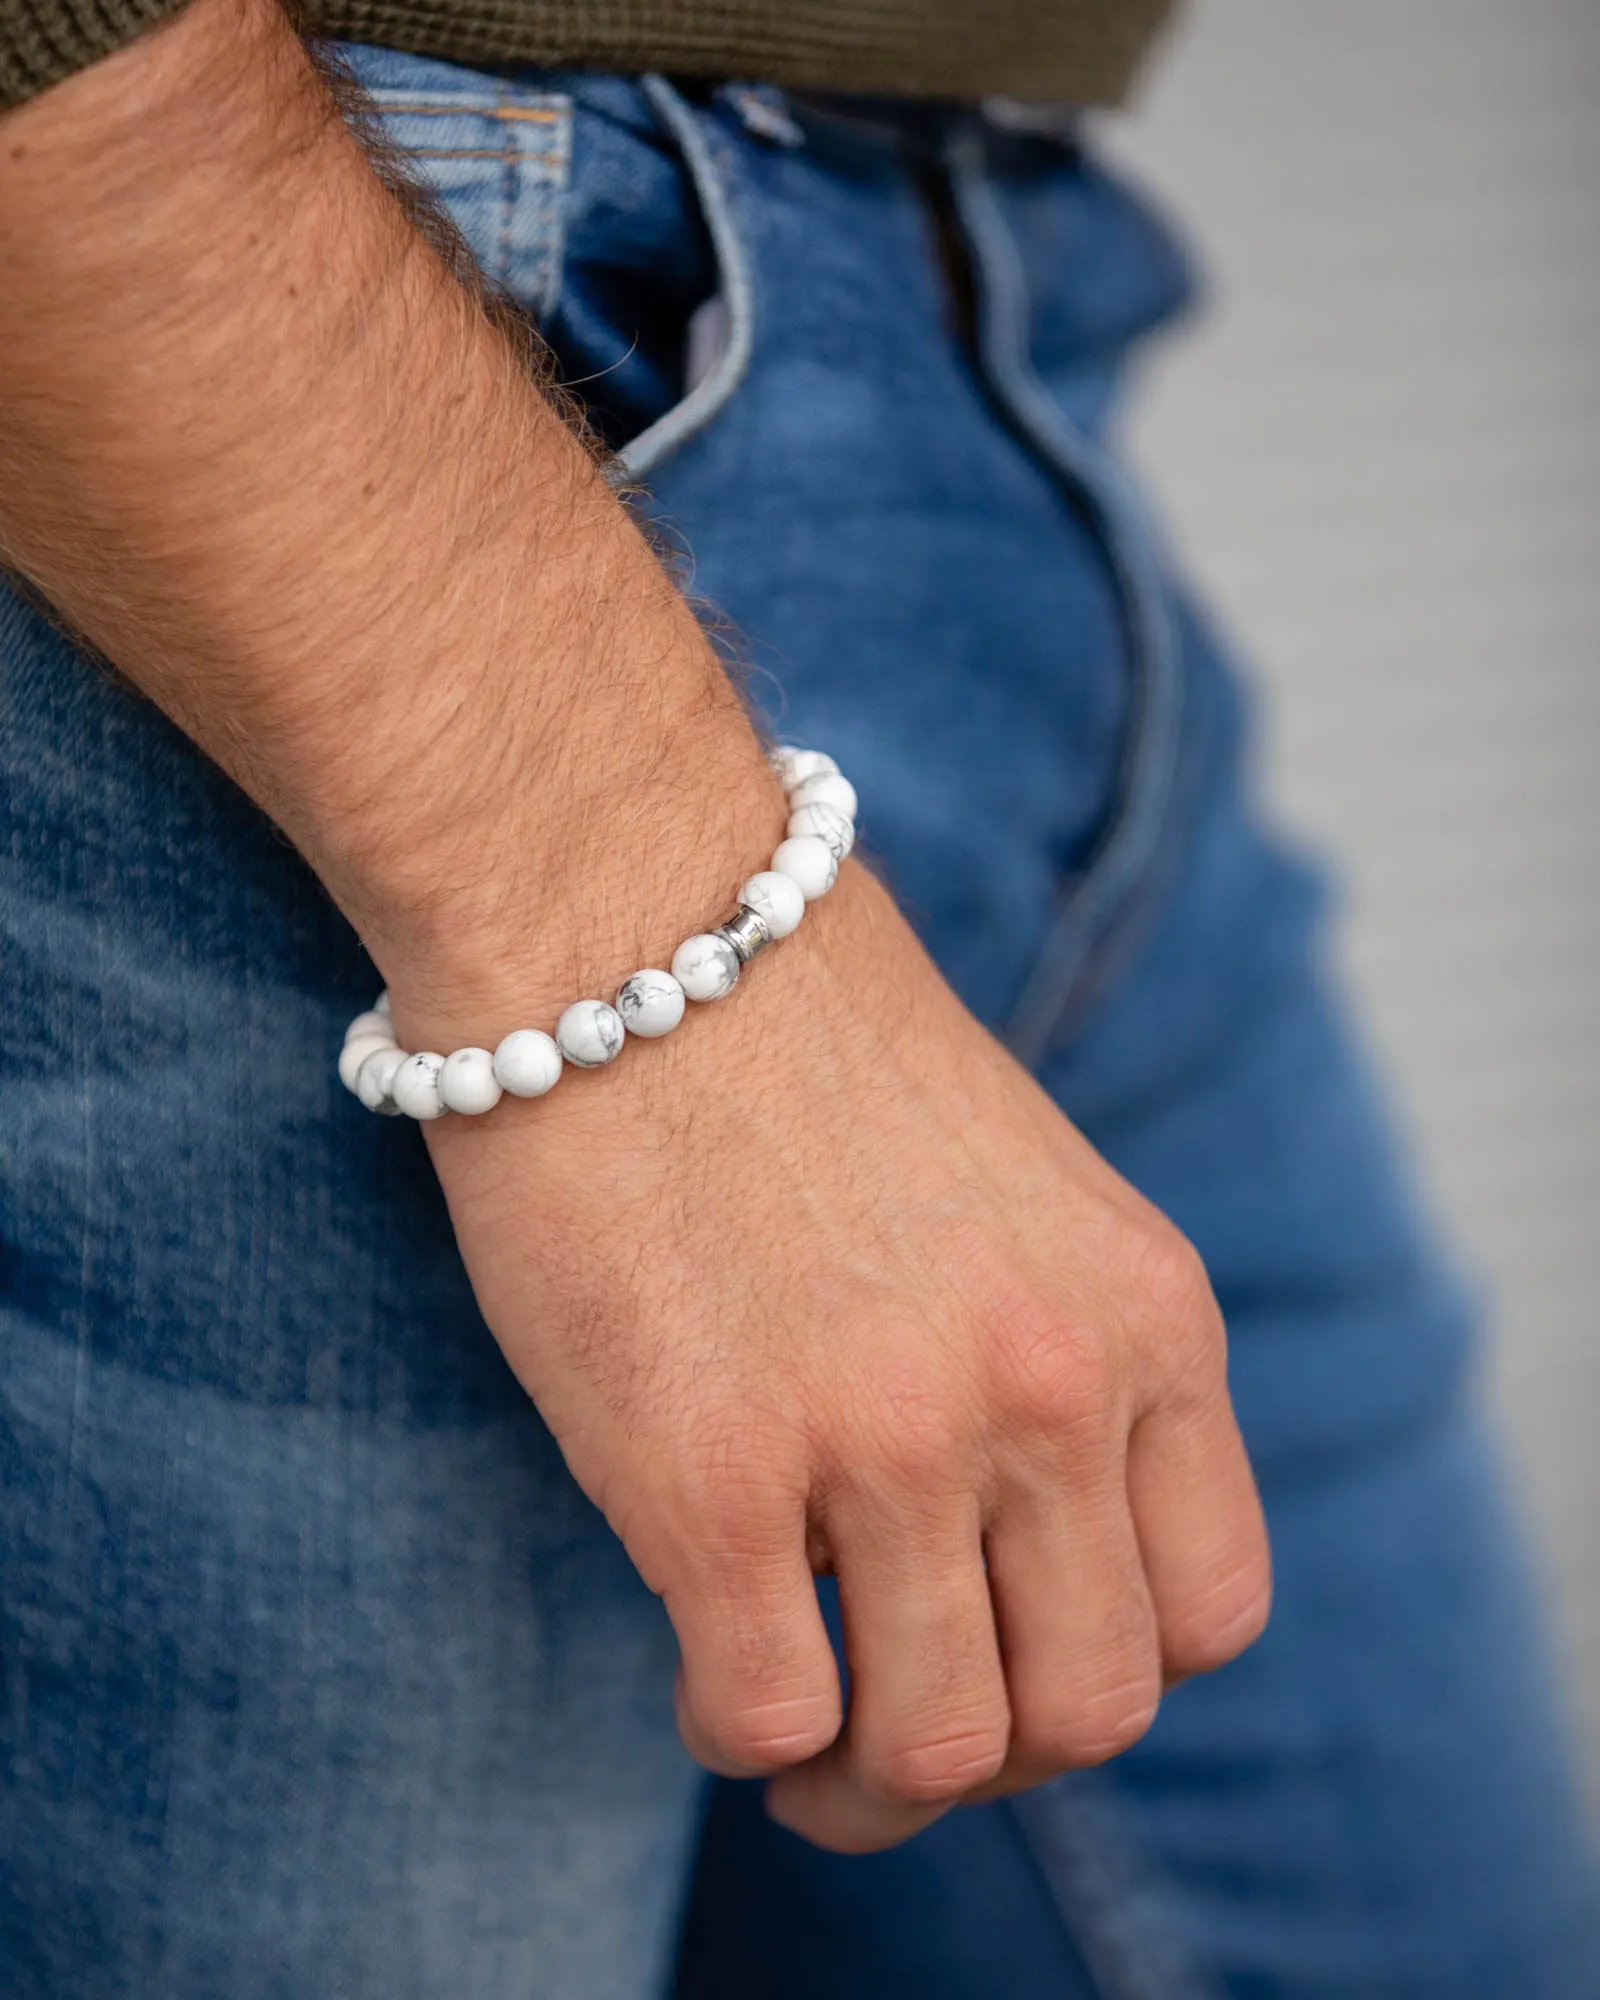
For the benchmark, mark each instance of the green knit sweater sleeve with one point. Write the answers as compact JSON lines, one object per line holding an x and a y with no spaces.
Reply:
{"x":42,"y":41}
{"x":1070,"y":51}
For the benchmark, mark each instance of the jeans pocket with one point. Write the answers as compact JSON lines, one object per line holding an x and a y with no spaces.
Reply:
{"x":584,"y":199}
{"x":494,"y":151}
{"x":647,"y":254}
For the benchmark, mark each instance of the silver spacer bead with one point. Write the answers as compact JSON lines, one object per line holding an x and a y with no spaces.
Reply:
{"x":747,"y":933}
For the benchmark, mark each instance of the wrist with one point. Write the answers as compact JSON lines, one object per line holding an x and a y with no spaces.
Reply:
{"x":803,"y":1015}
{"x":594,"y":869}
{"x":397,"y":1064}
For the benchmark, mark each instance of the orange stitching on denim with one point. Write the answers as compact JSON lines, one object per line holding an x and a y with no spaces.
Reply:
{"x":509,"y":113}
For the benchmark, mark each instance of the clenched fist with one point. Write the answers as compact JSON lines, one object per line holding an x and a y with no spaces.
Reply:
{"x":824,"y":1282}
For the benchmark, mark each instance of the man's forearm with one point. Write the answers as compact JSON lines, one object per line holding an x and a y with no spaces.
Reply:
{"x":819,"y":1281}
{"x":261,"y":447}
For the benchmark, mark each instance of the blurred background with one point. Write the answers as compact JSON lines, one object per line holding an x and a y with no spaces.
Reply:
{"x":1381,"y":450}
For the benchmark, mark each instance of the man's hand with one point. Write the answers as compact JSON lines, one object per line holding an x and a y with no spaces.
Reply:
{"x":822,"y":1280}
{"x":825,"y":1282}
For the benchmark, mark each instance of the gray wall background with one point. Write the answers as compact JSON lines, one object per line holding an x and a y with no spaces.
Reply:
{"x":1382,"y":454}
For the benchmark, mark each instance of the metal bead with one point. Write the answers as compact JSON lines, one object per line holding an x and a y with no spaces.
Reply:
{"x":747,"y":933}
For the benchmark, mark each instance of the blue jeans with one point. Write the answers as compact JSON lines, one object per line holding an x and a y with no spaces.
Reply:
{"x":320,"y":1677}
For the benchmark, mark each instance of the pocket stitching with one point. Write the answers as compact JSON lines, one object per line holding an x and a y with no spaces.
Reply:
{"x":535,"y":153}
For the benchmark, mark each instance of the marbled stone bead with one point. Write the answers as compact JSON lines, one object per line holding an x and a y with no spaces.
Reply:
{"x":794,"y":765}
{"x":370,"y":1023}
{"x":381,"y":1004}
{"x":706,"y":966}
{"x":415,"y":1088}
{"x":827,"y":823}
{"x":589,"y":1033}
{"x":650,"y":1002}
{"x":355,"y":1052}
{"x":468,"y":1083}
{"x":826,"y":788}
{"x":776,"y":900}
{"x":808,"y":861}
{"x":527,"y":1063}
{"x":375,"y":1079}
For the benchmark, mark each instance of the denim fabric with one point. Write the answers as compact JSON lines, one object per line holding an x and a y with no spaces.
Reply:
{"x":319,"y":1675}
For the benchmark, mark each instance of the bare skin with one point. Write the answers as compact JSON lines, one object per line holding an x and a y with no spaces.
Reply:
{"x":821,"y":1282}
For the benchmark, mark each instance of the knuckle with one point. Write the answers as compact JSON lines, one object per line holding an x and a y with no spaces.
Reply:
{"x":1223,"y":1620}
{"x":934,"y":1769}
{"x":733,"y":1486}
{"x":1172,"y":1281}
{"x":911,"y":1437}
{"x":1095,"y":1728}
{"x":769,"y":1735}
{"x":1056,"y":1374}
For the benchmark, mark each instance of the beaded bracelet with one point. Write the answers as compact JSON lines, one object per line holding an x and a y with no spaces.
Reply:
{"x":820,"y":833}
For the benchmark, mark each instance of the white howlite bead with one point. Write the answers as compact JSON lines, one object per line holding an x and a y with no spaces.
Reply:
{"x":370,"y":1023}
{"x":589,"y":1033}
{"x":528,"y":1063}
{"x":827,"y":823}
{"x":776,"y":900}
{"x":468,"y":1083}
{"x":794,"y":765}
{"x":375,"y":1078}
{"x":416,"y":1086}
{"x":827,"y":788}
{"x":706,"y":966}
{"x":808,"y":861}
{"x":381,"y":1004}
{"x":650,"y":1002}
{"x":354,"y":1054}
